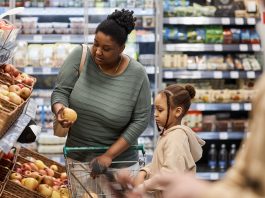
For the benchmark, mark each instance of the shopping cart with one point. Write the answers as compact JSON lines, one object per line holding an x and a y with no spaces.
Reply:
{"x":82,"y":185}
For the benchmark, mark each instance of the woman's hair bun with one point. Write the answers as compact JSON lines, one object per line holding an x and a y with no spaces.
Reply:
{"x":124,"y":18}
{"x":191,"y":91}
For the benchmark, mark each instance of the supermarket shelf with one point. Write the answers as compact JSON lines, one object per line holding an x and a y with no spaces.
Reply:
{"x":210,"y":175}
{"x":79,"y":11}
{"x":13,"y":133}
{"x":194,"y":47}
{"x":221,"y":106}
{"x":209,"y":21}
{"x":65,"y":38}
{"x":55,"y":70}
{"x":221,"y":135}
{"x":188,"y":74}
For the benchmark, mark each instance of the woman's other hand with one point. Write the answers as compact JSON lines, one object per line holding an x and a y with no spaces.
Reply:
{"x":99,"y":165}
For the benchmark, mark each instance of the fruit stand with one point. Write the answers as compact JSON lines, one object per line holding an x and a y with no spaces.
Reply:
{"x":23,"y":173}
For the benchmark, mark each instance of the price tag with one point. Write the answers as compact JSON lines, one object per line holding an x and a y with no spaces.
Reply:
{"x":172,"y":20}
{"x":223,"y":135}
{"x":28,"y":70}
{"x":218,"y":74}
{"x":168,"y":75}
{"x":201,"y":107}
{"x":218,"y":48}
{"x":46,"y":70}
{"x":225,"y":21}
{"x":251,"y":21}
{"x":247,"y":106}
{"x":239,"y":21}
{"x":170,"y":47}
{"x":37,"y":38}
{"x":150,"y":70}
{"x":243,"y":47}
{"x":234,"y":74}
{"x":197,"y":74}
{"x":39,"y":101}
{"x":214,"y":176}
{"x":256,"y":47}
{"x":66,"y":38}
{"x":251,"y":74}
{"x":235,"y":107}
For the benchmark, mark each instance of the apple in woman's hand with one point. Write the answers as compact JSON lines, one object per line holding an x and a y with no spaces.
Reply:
{"x":69,"y":115}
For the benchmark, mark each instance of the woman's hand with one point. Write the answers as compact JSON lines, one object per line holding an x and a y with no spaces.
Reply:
{"x":59,"y":117}
{"x":99,"y":165}
{"x":139,"y":179}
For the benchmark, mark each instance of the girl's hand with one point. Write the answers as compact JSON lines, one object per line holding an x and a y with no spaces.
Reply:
{"x":63,"y":122}
{"x":139,"y":179}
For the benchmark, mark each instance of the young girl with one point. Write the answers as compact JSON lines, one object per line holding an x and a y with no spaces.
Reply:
{"x":178,"y":147}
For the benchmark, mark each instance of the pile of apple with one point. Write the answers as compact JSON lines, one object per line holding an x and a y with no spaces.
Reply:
{"x":39,"y":177}
{"x":12,"y":72}
{"x":14,"y":93}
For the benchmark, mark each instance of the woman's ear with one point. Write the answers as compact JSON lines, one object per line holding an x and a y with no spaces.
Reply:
{"x":178,"y":112}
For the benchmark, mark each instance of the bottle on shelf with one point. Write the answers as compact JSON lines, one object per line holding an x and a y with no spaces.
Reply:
{"x":212,"y":158}
{"x":232,"y":154}
{"x":223,"y":158}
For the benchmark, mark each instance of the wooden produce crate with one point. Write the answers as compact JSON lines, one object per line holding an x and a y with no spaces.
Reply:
{"x":24,"y":152}
{"x":21,"y":191}
{"x":6,"y":194}
{"x":8,"y":114}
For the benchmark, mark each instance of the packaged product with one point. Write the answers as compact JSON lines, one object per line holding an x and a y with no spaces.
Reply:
{"x":34,"y":51}
{"x":214,"y":34}
{"x":228,"y":38}
{"x":47,"y":51}
{"x":254,"y":37}
{"x":221,"y":96}
{"x":201,"y":62}
{"x":229,"y":60}
{"x":21,"y":54}
{"x":236,"y":35}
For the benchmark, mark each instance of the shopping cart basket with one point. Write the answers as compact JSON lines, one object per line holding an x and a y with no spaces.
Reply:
{"x":82,"y":185}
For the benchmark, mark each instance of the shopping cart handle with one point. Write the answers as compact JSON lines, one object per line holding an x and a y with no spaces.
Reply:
{"x":66,"y":149}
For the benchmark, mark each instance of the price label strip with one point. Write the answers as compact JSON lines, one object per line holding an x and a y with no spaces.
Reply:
{"x":168,"y":75}
{"x":239,"y":21}
{"x":37,"y":38}
{"x":200,"y":107}
{"x":235,"y":107}
{"x":218,"y":47}
{"x":251,"y":74}
{"x":243,"y":47}
{"x":214,"y":176}
{"x":223,"y":135}
{"x":247,"y":106}
{"x":29,"y":70}
{"x":217,"y":74}
{"x":46,"y":70}
{"x":234,"y":74}
{"x":225,"y":21}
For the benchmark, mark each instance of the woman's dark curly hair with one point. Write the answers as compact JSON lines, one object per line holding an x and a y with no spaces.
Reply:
{"x":118,"y":25}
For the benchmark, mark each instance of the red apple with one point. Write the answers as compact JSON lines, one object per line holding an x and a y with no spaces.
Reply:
{"x":42,"y":172}
{"x":19,"y":170}
{"x":69,"y":114}
{"x":49,"y":172}
{"x":33,"y":166}
{"x":26,"y":166}
{"x":16,"y":176}
{"x":48,"y":180}
{"x":27,"y":173}
{"x":15,"y":72}
{"x":28,"y":81}
{"x":20,"y":85}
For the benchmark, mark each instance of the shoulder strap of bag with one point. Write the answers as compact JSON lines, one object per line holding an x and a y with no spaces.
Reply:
{"x":83,"y":58}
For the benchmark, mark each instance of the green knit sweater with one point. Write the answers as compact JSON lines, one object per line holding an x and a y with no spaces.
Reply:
{"x":108,"y":107}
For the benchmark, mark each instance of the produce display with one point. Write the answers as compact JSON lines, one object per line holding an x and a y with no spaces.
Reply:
{"x":32,"y":173}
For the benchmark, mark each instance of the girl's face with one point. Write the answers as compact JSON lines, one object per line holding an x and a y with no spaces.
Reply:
{"x":161,"y":112}
{"x":105,"y":50}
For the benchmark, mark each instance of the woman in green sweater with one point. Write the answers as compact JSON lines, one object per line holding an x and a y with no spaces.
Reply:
{"x":111,"y":96}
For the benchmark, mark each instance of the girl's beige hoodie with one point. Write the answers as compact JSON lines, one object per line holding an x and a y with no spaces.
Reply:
{"x":177,"y":150}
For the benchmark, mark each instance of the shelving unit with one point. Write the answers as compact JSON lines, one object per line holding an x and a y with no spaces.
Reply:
{"x":175,"y":44}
